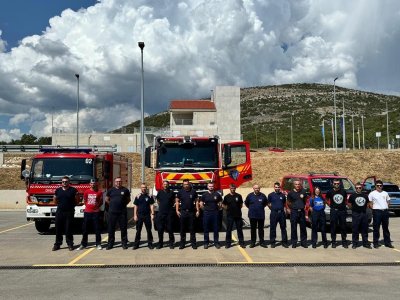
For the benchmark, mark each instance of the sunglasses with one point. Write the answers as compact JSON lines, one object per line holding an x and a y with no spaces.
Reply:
{"x":379,"y":185}
{"x":64,"y":181}
{"x":358,"y":187}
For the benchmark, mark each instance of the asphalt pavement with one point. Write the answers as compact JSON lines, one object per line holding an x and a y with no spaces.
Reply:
{"x":29,"y":269}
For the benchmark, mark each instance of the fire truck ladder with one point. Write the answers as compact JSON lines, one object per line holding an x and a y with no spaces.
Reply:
{"x":58,"y":148}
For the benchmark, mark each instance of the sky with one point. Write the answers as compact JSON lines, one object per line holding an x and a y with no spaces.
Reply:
{"x":190,"y":47}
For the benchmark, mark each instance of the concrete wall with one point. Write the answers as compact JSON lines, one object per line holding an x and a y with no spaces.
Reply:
{"x":15,"y":199}
{"x":227,"y":102}
{"x":124,"y":142}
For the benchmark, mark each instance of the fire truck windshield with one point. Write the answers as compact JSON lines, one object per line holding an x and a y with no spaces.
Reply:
{"x":53,"y":169}
{"x":198,"y":155}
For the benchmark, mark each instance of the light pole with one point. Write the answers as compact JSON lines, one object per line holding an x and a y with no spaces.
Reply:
{"x":291,"y":130}
{"x":344,"y":129}
{"x":323,"y":132}
{"x":352,"y":127}
{"x":362,"y":127}
{"x":77,"y":112}
{"x":387,"y":126}
{"x":141,"y":46}
{"x":334,"y":104}
{"x":276,"y":137}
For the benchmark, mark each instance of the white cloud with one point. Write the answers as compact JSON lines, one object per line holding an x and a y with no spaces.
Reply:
{"x":3,"y":43}
{"x":8,"y":135}
{"x":191,"y":46}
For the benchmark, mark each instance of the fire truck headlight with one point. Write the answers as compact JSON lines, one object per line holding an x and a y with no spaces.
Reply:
{"x":33,"y":199}
{"x":32,"y":210}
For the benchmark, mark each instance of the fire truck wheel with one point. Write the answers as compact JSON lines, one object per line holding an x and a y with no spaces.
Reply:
{"x":42,"y":226}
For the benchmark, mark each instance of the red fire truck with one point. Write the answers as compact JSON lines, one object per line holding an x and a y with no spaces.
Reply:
{"x":80,"y":165}
{"x":199,"y":159}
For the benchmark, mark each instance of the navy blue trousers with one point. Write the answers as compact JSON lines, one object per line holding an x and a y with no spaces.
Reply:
{"x":210,"y":219}
{"x":381,"y":218}
{"x":298,"y":217}
{"x":277,"y":216}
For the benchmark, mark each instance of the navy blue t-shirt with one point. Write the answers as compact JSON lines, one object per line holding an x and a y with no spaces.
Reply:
{"x":119,"y":199}
{"x":277,"y":200}
{"x":256,"y":205}
{"x":297,"y":199}
{"x":66,"y":199}
{"x":211,"y":200}
{"x":166,"y":201}
{"x":187,"y":199}
{"x":143,"y":202}
{"x":234,"y":205}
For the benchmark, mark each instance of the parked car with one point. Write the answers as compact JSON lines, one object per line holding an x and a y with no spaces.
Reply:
{"x":325,"y":182}
{"x":392,"y":189}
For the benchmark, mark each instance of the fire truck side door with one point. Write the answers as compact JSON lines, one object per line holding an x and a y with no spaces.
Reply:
{"x":238,"y":170}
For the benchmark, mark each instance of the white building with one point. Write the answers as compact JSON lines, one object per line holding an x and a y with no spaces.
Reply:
{"x":218,"y":116}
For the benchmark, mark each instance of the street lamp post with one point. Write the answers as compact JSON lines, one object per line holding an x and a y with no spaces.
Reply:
{"x":387,"y":126}
{"x":344,"y":129}
{"x":363,"y":133}
{"x":291,"y":130}
{"x":334,"y":104}
{"x":77,"y":112}
{"x":352,"y":127}
{"x":141,"y":46}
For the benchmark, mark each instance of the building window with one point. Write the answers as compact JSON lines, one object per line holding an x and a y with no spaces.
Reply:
{"x":183,"y":119}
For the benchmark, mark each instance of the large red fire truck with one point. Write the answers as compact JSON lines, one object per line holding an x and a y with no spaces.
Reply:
{"x":199,"y":159}
{"x":80,"y":165}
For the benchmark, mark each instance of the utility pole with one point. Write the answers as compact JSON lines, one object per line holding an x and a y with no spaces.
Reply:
{"x":387,"y":126}
{"x":352,"y":126}
{"x":363,"y":133}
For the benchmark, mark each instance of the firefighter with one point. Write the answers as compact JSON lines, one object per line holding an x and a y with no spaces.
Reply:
{"x":211,"y":203}
{"x":165,"y":217}
{"x":296,"y":199}
{"x":186,"y":206}
{"x":276,"y":203}
{"x":256,"y":203}
{"x":337,"y":200}
{"x":358,"y":203}
{"x":233,"y":203}
{"x":117,"y":198}
{"x":65,"y":197}
{"x":93,"y":199}
{"x":143,"y":212}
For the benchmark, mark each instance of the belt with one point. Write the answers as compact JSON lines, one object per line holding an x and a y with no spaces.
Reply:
{"x":278,"y":210}
{"x":381,"y":209}
{"x":187,"y":210}
{"x":299,"y":209}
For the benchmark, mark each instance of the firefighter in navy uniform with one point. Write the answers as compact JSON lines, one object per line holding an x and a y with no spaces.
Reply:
{"x":296,"y":199}
{"x":256,"y":203}
{"x":186,"y":206}
{"x":276,"y":203}
{"x":117,"y":198}
{"x":337,"y":201}
{"x":233,"y":203}
{"x":65,"y":197}
{"x":358,"y":203}
{"x":211,"y":203}
{"x":165,"y":217}
{"x":143,"y":212}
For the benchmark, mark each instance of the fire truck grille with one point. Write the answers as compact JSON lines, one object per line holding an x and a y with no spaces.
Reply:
{"x":44,"y":198}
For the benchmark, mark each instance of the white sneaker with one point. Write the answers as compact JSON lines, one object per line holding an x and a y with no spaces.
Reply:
{"x":80,"y":248}
{"x":98,"y":247}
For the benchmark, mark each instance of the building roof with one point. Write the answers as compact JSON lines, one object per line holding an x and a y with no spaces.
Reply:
{"x":192,"y":104}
